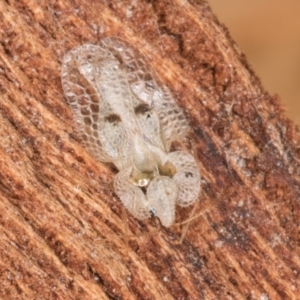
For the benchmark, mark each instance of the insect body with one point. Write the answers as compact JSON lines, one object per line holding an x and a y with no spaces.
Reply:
{"x":126,"y":117}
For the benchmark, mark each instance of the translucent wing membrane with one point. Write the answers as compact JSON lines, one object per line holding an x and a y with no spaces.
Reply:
{"x":162,"y":193}
{"x":99,"y":124}
{"x":148,"y":89}
{"x":131,"y":195}
{"x":149,"y":124}
{"x":187,"y":177}
{"x":124,"y":115}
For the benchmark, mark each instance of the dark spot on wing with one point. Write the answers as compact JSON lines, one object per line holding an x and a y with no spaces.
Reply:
{"x":113,"y":118}
{"x":141,"y":109}
{"x":189,"y":174}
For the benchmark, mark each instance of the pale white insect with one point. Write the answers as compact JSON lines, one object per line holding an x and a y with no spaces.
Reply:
{"x":125,"y":116}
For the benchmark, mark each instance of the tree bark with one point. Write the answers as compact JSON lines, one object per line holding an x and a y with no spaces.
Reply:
{"x":62,"y":231}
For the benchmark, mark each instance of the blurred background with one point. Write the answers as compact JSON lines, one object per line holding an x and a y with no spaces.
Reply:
{"x":268,"y":32}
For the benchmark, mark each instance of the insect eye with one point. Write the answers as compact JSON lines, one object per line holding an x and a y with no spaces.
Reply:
{"x":168,"y":169}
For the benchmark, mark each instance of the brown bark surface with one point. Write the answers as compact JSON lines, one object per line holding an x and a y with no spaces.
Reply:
{"x":62,"y":232}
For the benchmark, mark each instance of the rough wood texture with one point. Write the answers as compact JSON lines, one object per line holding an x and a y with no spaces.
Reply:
{"x":62,"y":232}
